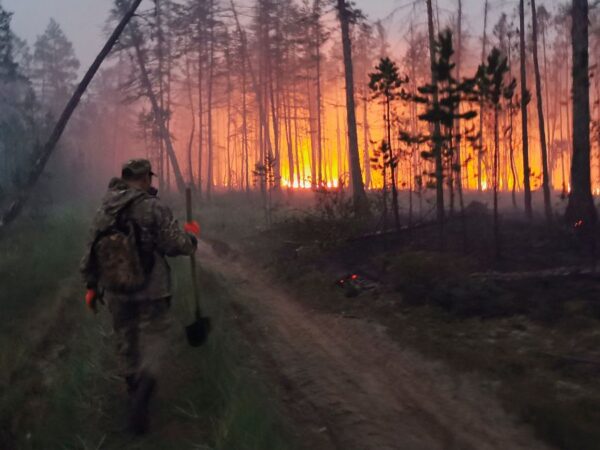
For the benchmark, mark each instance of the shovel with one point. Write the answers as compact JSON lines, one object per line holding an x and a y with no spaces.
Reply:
{"x":197,"y":332}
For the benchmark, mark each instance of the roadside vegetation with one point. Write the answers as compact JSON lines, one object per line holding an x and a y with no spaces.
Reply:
{"x":526,"y":331}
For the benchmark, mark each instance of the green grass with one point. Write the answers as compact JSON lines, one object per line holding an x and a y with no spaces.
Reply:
{"x":35,"y":258}
{"x":59,"y":388}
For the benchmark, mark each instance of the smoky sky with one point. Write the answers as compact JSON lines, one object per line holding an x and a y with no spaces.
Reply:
{"x":83,"y":21}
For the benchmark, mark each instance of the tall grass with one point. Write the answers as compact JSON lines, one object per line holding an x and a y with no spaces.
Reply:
{"x":35,"y":259}
{"x":61,"y":390}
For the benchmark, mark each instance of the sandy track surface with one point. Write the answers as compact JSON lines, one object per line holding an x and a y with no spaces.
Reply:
{"x":350,"y":386}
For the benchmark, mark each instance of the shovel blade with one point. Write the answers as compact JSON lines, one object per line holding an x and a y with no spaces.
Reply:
{"x":197,"y":333}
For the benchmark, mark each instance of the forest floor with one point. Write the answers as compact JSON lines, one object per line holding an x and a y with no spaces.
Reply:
{"x":325,"y":338}
{"x":363,"y":330}
{"x":351,"y":385}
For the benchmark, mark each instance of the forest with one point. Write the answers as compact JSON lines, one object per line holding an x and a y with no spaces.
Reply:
{"x":244,"y":97}
{"x":395,"y":210}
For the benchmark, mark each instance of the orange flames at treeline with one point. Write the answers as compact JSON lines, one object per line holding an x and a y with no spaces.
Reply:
{"x":298,"y":172}
{"x":293,"y":107}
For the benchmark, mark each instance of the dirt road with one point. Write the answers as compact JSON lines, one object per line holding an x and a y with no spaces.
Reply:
{"x":349,"y":386}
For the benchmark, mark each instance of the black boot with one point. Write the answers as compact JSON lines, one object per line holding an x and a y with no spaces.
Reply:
{"x":144,"y":389}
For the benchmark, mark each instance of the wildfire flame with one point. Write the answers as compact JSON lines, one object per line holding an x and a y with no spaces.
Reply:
{"x":306,"y":184}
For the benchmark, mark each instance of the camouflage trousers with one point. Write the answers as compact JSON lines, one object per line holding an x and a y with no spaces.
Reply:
{"x":144,"y":335}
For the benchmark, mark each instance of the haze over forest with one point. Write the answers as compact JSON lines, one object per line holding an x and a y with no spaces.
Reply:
{"x":390,"y":230}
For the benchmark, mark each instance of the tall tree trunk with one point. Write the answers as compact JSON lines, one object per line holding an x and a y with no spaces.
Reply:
{"x":413,"y":131}
{"x":245,"y":128}
{"x":511,"y":145}
{"x":338,"y":134}
{"x":580,"y":209}
{"x":319,"y":100}
{"x":366,"y":153}
{"x":524,"y":103}
{"x":358,"y":189}
{"x":540,"y":110}
{"x":300,"y":165}
{"x":483,"y":55}
{"x":209,"y":131}
{"x":392,"y":169}
{"x":496,"y":178}
{"x":384,"y":171}
{"x":550,"y":115}
{"x":201,"y":53}
{"x":287,"y":106}
{"x":262,"y":112}
{"x":276,"y":133}
{"x":229,"y":117}
{"x":459,"y":177}
{"x":273,"y":76}
{"x":163,"y":161}
{"x":312,"y":131}
{"x":437,"y":141}
{"x":513,"y":169}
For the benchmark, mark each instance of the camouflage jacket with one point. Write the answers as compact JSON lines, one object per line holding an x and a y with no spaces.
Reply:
{"x":160,"y":235}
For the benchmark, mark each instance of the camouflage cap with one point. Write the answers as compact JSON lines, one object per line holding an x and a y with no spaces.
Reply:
{"x":137,"y":167}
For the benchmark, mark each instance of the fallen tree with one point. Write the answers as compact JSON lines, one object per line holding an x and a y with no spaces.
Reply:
{"x":32,"y":177}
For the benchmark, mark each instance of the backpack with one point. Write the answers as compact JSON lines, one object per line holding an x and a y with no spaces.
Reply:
{"x":120,"y":263}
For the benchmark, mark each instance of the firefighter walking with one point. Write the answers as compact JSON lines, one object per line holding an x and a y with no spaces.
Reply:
{"x":125,"y":266}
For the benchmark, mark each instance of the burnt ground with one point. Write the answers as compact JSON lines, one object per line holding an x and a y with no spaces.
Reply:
{"x":349,"y":385}
{"x":394,"y":336}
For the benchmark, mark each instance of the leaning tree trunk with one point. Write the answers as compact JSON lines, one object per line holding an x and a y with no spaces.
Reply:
{"x":46,"y":151}
{"x":358,"y":189}
{"x":437,"y":141}
{"x":188,"y":76}
{"x":540,"y":110}
{"x":581,"y":210}
{"x":159,"y":115}
{"x":524,"y":103}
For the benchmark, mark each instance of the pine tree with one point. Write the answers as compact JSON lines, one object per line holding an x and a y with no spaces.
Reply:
{"x":442,"y":102}
{"x":8,"y":66}
{"x":386,"y":83}
{"x":55,"y":68}
{"x":496,"y":91}
{"x":436,"y":138}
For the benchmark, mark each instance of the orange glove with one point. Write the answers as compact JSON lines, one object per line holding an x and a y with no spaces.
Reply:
{"x":192,"y":227}
{"x":90,"y":299}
